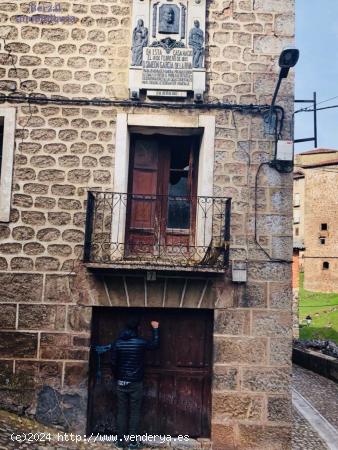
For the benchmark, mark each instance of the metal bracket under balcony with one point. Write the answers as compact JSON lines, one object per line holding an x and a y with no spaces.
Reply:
{"x":157,"y":233}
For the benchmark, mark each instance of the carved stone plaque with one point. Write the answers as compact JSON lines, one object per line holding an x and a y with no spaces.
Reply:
{"x":167,"y":70}
{"x":168,"y":46}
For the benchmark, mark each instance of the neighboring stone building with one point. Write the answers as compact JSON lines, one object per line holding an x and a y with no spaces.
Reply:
{"x":193,"y":243}
{"x":314,"y":217}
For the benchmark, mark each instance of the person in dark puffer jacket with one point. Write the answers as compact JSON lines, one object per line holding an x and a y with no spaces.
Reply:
{"x":128,"y":364}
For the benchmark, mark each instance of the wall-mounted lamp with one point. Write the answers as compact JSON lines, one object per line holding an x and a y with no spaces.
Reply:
{"x":283,"y":158}
{"x":287,"y":59}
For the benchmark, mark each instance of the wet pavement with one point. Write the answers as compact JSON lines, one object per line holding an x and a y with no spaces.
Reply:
{"x":320,"y":393}
{"x":304,"y":437}
{"x":320,"y":396}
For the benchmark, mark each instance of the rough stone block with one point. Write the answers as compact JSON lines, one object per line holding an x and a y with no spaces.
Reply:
{"x":79,"y":175}
{"x":233,"y":350}
{"x":79,"y":318}
{"x":3,"y":264}
{"x":254,"y":295}
{"x":23,"y":233}
{"x":225,"y":378}
{"x":232,"y":321}
{"x":269,"y":271}
{"x":21,"y":287}
{"x":285,"y":24}
{"x":274,"y":6}
{"x":42,"y":317}
{"x":55,"y":345}
{"x":223,"y":436}
{"x":7,"y":317}
{"x":280,"y":295}
{"x":264,"y":436}
{"x":272,"y":323}
{"x":57,"y":289}
{"x":33,"y":248}
{"x":54,"y":34}
{"x":59,"y":250}
{"x":44,"y":372}
{"x":279,"y":409}
{"x":48,"y":234}
{"x":69,"y":204}
{"x":45,"y":263}
{"x":20,"y":263}
{"x":237,"y":406}
{"x":33,"y":217}
{"x":275,"y":380}
{"x":24,"y":174}
{"x":282,"y":247}
{"x":280,"y":351}
{"x":63,"y":189}
{"x":73,"y":236}
{"x":4,"y":231}
{"x":21,"y":345}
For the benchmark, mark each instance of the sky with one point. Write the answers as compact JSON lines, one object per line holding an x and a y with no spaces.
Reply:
{"x":317,"y":70}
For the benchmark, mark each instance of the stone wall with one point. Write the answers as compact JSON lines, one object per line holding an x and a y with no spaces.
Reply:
{"x":64,"y":150}
{"x":321,"y":209}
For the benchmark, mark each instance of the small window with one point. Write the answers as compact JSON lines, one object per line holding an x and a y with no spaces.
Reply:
{"x":296,"y":231}
{"x":323,"y":227}
{"x":296,"y":218}
{"x":322,"y":241}
{"x":326,"y":265}
{"x":7,"y":130}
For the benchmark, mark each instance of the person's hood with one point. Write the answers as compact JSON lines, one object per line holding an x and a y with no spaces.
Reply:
{"x":127,"y":334}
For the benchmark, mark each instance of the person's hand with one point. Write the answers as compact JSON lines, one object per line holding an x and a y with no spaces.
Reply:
{"x":154,"y":324}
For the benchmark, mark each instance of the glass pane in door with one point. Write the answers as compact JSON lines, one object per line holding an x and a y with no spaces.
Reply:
{"x":179,"y":201}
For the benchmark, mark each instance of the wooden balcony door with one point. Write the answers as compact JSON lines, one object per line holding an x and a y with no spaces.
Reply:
{"x":162,"y":201}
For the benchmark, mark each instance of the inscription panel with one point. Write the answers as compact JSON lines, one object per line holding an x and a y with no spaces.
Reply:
{"x":165,"y":70}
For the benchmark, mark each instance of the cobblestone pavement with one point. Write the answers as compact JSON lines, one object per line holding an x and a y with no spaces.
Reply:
{"x":320,"y":392}
{"x":304,"y":437}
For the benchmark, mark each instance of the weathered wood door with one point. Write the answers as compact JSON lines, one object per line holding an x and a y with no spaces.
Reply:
{"x":177,"y":397}
{"x":162,"y":194}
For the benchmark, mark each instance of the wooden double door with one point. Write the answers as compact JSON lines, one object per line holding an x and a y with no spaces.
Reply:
{"x":177,"y":385}
{"x":162,"y":188}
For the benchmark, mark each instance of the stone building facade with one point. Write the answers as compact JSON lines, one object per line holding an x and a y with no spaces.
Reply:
{"x":316,"y":182}
{"x":63,"y":147}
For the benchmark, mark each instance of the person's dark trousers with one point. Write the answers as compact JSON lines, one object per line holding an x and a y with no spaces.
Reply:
{"x":129,"y":399}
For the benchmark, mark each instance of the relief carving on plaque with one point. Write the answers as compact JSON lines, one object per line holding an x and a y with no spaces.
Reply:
{"x":169,"y":16}
{"x":168,"y":46}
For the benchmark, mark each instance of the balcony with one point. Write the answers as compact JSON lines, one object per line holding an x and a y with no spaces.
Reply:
{"x":156,"y":232}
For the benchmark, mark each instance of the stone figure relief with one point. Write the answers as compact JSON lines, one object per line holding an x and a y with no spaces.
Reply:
{"x":196,"y":41}
{"x":169,"y":19}
{"x":139,"y":41}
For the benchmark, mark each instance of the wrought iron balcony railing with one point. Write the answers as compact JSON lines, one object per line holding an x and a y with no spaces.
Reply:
{"x":156,"y":231}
